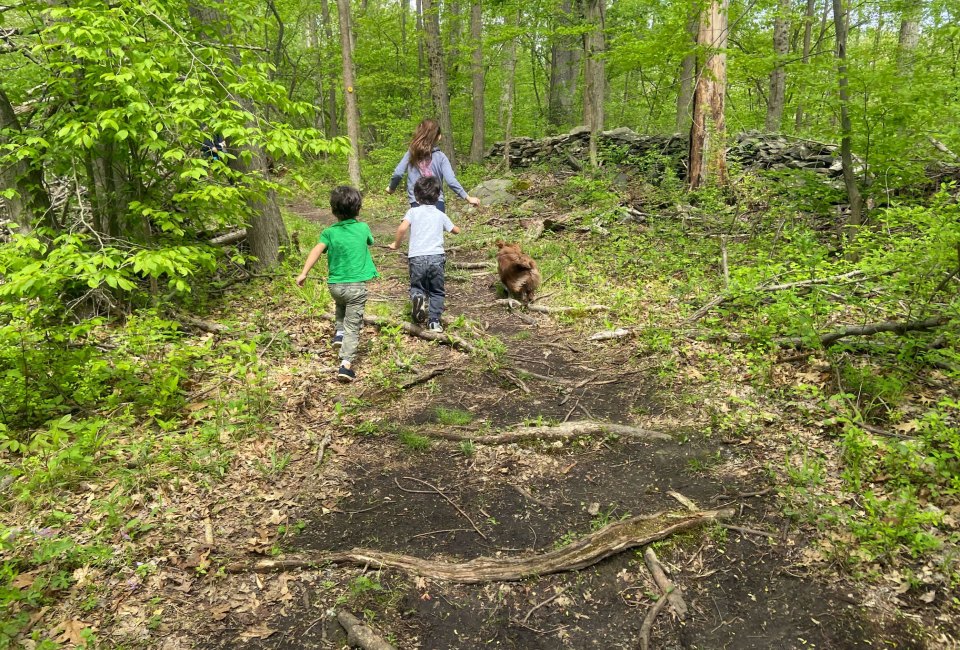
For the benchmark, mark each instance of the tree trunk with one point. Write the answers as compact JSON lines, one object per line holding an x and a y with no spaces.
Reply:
{"x":688,"y":70}
{"x":909,"y":36}
{"x":477,"y":144}
{"x":778,"y":76}
{"x":438,"y":76}
{"x":350,"y":95}
{"x":708,"y":161}
{"x":31,"y":201}
{"x":855,"y":217}
{"x":564,"y":69}
{"x":807,"y":38}
{"x":333,"y":126}
{"x":594,"y":79}
{"x":420,"y":54}
{"x":509,"y":75}
{"x":454,"y":35}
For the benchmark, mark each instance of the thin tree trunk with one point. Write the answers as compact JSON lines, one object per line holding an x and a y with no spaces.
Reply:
{"x":778,"y":76}
{"x":688,"y":70}
{"x":350,"y":95}
{"x":509,"y":75}
{"x":564,"y":69}
{"x":420,"y":53}
{"x":31,"y":200}
{"x":807,"y":38}
{"x":438,"y":77}
{"x":708,"y":136}
{"x":594,"y":73}
{"x":477,"y":144}
{"x":333,"y":127}
{"x":855,"y":217}
{"x":454,"y":34}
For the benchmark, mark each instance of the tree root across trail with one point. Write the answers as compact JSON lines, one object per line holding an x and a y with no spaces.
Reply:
{"x":587,"y":551}
{"x":565,"y":431}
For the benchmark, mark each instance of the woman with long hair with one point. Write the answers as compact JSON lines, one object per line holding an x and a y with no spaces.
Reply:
{"x":424,"y":158}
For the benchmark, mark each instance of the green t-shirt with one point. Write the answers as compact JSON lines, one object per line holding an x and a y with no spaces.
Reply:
{"x":348,"y":257}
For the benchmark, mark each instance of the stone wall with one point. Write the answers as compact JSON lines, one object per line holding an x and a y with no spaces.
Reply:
{"x":752,"y":149}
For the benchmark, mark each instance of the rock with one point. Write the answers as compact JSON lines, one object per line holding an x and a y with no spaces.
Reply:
{"x":494,"y":192}
{"x":579,"y":130}
{"x":531,"y":207}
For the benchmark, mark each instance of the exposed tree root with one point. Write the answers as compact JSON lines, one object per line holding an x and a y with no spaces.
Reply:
{"x":359,"y":635}
{"x":669,"y":589}
{"x":565,"y":431}
{"x":587,"y":551}
{"x":648,"y":621}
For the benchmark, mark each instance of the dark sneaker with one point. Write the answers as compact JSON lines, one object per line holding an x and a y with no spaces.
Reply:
{"x":435,"y":327}
{"x":346,"y":375}
{"x":419,"y":303}
{"x":337,"y":340}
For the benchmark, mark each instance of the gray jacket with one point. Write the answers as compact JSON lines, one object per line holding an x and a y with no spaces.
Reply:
{"x":439,"y":165}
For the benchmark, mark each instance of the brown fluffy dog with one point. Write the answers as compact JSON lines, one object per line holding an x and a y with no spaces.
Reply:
{"x":518,"y":271}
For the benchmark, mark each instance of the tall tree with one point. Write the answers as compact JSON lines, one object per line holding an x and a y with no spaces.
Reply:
{"x":565,"y":50}
{"x":808,"y":15}
{"x":30,"y":200}
{"x":688,"y":70}
{"x":778,"y":76}
{"x":509,"y":80}
{"x":350,"y":95}
{"x":477,"y":144}
{"x":594,"y":72}
{"x":438,"y":76}
{"x":708,"y":161}
{"x":909,"y":35}
{"x":333,"y":127}
{"x":855,"y":216}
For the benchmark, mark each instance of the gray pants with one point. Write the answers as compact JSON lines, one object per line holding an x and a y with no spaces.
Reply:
{"x":426,"y":279}
{"x":350,"y":298}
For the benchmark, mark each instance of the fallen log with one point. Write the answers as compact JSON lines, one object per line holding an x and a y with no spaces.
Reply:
{"x":584,"y":552}
{"x":565,"y":431}
{"x":670,"y":591}
{"x":359,"y":635}
{"x":608,"y":335}
{"x":209,"y":327}
{"x":897,"y":327}
{"x":468,"y":266}
{"x":229,"y":238}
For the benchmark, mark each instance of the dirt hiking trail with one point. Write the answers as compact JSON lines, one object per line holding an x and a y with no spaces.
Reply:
{"x":385,"y":484}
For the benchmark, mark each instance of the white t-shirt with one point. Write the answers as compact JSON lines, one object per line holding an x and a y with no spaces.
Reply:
{"x":427,"y":225}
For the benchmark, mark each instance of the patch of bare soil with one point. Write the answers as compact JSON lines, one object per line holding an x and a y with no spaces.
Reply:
{"x":745,"y":588}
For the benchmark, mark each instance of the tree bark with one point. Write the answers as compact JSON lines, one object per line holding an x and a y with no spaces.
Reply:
{"x":564,"y":69}
{"x":477,"y":144}
{"x":438,"y":77}
{"x":594,"y":73}
{"x":31,"y":201}
{"x":454,"y":34}
{"x":333,"y":126}
{"x":778,"y":76}
{"x":350,"y":95}
{"x":855,"y":217}
{"x":909,"y":36}
{"x":688,"y":70}
{"x":509,"y":75}
{"x":708,"y":162}
{"x":805,"y":58}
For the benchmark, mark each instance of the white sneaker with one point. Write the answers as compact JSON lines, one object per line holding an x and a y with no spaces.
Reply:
{"x":435,"y":327}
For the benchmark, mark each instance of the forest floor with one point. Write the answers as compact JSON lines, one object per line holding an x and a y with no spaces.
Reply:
{"x":383,"y":485}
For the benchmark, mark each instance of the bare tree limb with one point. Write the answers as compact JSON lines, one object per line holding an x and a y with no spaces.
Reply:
{"x":565,"y":431}
{"x":359,"y":635}
{"x":648,"y":621}
{"x":670,"y":591}
{"x":584,"y":552}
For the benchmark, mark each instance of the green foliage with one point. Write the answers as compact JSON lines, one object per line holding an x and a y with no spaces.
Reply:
{"x":453,"y":417}
{"x":414,"y":441}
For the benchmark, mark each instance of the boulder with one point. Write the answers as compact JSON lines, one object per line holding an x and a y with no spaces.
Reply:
{"x":494,"y":192}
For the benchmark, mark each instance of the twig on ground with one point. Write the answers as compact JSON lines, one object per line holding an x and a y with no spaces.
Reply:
{"x":208,"y":531}
{"x":669,"y":589}
{"x":648,"y":621}
{"x":424,"y":377}
{"x":567,"y":430}
{"x":510,"y":303}
{"x":466,"y":266}
{"x":546,"y":602}
{"x":750,"y":531}
{"x":443,"y":494}
{"x":687,"y":503}
{"x":608,"y":335}
{"x":586,"y":551}
{"x":360,"y":635}
{"x":744,"y":495}
{"x":326,"y":440}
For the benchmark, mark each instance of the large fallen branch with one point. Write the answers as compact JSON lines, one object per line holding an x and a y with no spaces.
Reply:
{"x":670,"y":591}
{"x":898,"y":327}
{"x":359,"y":635}
{"x":722,"y":298}
{"x":229,"y":238}
{"x":203,"y":325}
{"x":565,"y":431}
{"x":544,"y":309}
{"x":587,"y":551}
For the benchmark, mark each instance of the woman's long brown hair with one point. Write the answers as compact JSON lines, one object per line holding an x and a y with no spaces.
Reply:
{"x":424,"y":138}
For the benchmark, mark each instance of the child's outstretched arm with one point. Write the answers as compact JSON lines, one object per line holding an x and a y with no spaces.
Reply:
{"x":401,"y":231}
{"x":398,"y":173}
{"x":312,"y":258}
{"x":446,"y":172}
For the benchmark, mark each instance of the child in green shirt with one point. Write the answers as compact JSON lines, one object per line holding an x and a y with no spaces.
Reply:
{"x":350,"y":266}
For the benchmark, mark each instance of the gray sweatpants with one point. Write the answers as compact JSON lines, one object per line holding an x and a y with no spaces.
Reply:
{"x":350,"y":298}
